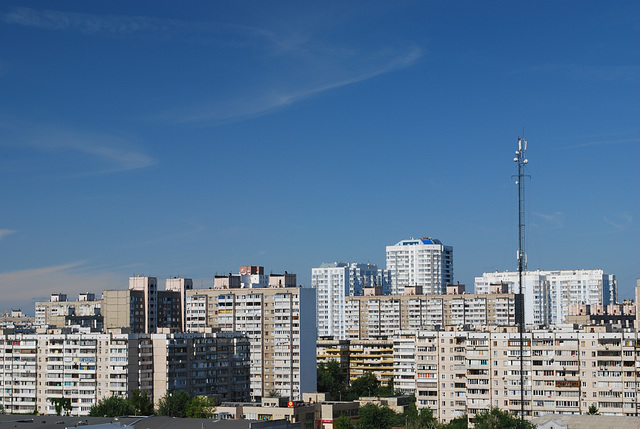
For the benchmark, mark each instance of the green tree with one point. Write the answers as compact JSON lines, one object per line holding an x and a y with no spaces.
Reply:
{"x":274,"y":393}
{"x":331,"y":379}
{"x":498,"y":419}
{"x":200,"y":407}
{"x":343,"y":422}
{"x":174,"y":404}
{"x":112,"y":406}
{"x":1,"y":409}
{"x":461,"y":422}
{"x":388,"y":390}
{"x":141,"y":403}
{"x":424,"y":420}
{"x":593,"y":410}
{"x":365,"y":385}
{"x":61,"y":404}
{"x":373,"y":416}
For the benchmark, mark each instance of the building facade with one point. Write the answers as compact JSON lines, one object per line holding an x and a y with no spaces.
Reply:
{"x":86,"y":367}
{"x":334,"y":282}
{"x":548,"y":294}
{"x":280,"y":323}
{"x":424,"y":262}
{"x":382,"y":316}
{"x":59,"y":312}
{"x":453,"y":372}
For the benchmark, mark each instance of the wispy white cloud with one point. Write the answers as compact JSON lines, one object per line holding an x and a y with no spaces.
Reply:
{"x":125,"y":26}
{"x":272,"y":100}
{"x":5,"y":232}
{"x":110,"y":153}
{"x":551,"y":221}
{"x":71,"y":278}
{"x":310,"y":65}
{"x":620,"y":222}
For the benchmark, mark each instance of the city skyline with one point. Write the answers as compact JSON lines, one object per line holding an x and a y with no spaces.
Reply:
{"x":168,"y":140}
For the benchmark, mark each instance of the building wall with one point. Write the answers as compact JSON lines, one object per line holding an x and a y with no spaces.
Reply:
{"x":149,"y":287}
{"x":124,"y":309}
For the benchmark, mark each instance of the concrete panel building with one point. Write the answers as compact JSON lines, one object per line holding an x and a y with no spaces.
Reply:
{"x":375,"y":316}
{"x":280,"y":323}
{"x":86,"y":367}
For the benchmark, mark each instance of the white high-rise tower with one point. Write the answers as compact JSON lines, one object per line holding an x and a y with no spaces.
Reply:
{"x":422,"y":262}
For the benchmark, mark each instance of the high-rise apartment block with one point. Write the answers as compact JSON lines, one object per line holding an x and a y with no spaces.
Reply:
{"x":456,"y":372}
{"x":334,"y":282}
{"x":424,"y":262}
{"x":87,"y":367}
{"x":276,"y":315}
{"x":280,"y":323}
{"x":548,"y":294}
{"x":381,"y":317}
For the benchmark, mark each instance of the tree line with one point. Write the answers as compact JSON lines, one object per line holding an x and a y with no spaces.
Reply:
{"x":173,"y":404}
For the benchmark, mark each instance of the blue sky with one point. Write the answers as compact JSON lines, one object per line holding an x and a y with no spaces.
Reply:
{"x":165,"y":139}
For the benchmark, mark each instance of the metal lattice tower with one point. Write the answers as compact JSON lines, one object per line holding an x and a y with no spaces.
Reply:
{"x":522,"y":261}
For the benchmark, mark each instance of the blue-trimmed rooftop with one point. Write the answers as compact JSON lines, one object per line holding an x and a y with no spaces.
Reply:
{"x":422,"y":240}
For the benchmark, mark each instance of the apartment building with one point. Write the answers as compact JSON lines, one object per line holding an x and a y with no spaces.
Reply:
{"x":180,"y":285}
{"x":548,"y":294}
{"x":455,"y":372}
{"x":280,"y":323}
{"x":621,"y":315}
{"x":565,"y":371}
{"x":424,"y":262}
{"x":357,"y":357}
{"x":86,"y":367}
{"x":59,"y":312}
{"x":17,"y":320}
{"x":335,"y":281}
{"x":382,"y":316}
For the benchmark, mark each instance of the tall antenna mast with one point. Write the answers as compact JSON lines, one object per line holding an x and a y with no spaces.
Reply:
{"x":522,"y":262}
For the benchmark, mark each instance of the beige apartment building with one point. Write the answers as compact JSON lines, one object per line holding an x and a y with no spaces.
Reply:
{"x":455,"y":371}
{"x":86,"y":367}
{"x":565,"y":371}
{"x":620,"y":315}
{"x":141,"y":308}
{"x":59,"y":312}
{"x":374,"y":316}
{"x":279,"y":321}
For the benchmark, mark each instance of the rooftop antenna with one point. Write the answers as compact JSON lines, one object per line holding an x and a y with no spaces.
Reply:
{"x":522,"y":261}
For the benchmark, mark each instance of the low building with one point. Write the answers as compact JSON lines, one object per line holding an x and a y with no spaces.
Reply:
{"x":313,"y":412}
{"x":563,"y":421}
